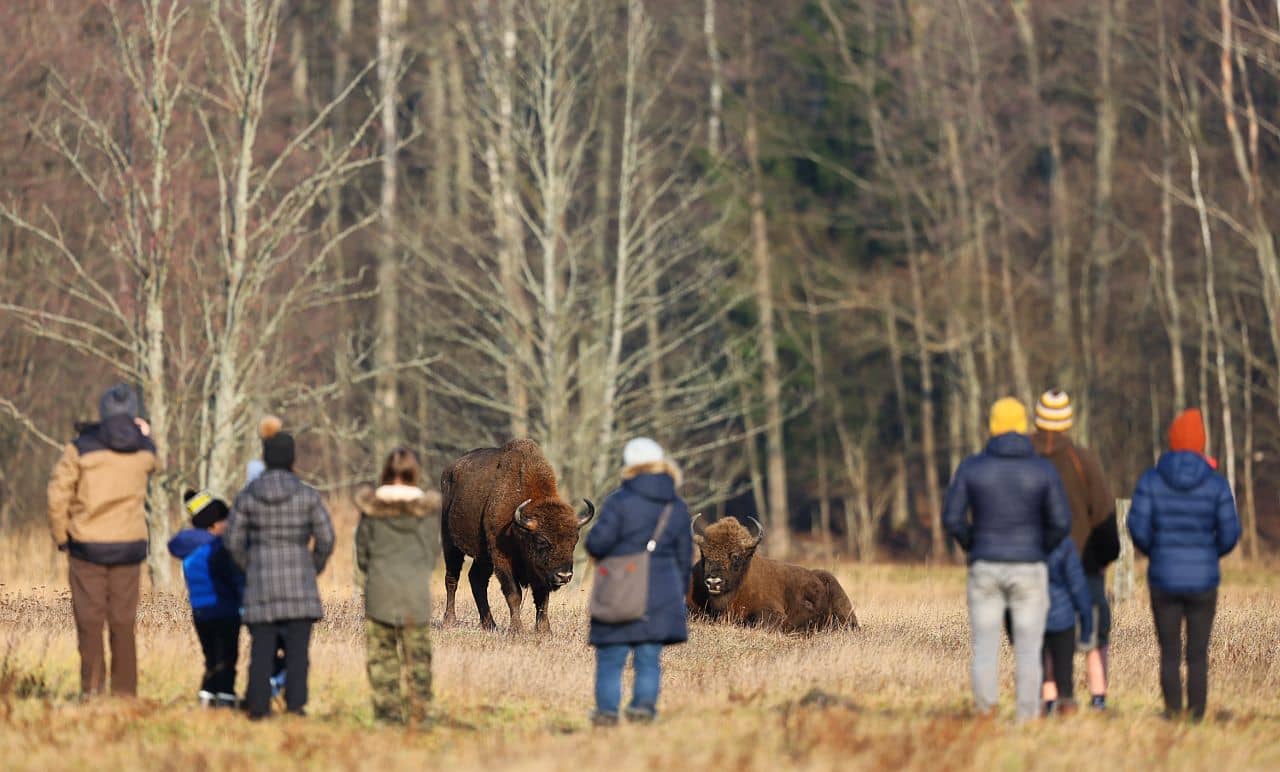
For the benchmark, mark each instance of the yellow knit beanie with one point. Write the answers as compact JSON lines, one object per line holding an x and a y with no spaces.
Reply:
{"x":1008,"y":415}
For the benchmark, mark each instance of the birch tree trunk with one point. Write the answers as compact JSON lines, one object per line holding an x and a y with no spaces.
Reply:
{"x":386,"y":403}
{"x":1173,"y":304}
{"x":1215,"y":320}
{"x":511,"y":258}
{"x":762,"y":260}
{"x":715,"y":89}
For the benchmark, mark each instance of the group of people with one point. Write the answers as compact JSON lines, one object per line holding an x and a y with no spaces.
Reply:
{"x":1033,"y":512}
{"x":255,"y":564}
{"x":1038,"y":522}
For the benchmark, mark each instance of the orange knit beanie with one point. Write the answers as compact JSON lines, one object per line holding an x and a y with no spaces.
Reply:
{"x":1187,"y":432}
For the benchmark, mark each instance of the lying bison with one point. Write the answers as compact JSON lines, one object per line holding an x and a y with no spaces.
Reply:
{"x":730,"y":582}
{"x":502,"y":509}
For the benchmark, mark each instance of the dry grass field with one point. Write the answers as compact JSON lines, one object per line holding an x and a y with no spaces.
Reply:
{"x":893,"y":695}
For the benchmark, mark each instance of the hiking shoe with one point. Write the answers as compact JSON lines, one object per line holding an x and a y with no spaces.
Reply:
{"x":1098,"y":702}
{"x":1066,"y":708}
{"x":604,"y":720}
{"x":641,"y":716}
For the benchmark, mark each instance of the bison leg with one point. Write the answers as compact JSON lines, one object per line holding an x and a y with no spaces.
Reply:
{"x":514,"y":595}
{"x":541,"y":595}
{"x":479,"y":575}
{"x":453,"y":558}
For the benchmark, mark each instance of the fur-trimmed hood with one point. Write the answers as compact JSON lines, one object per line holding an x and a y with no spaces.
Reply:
{"x":665,"y":466}
{"x":397,"y":501}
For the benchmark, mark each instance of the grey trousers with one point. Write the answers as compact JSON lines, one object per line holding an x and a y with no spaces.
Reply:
{"x":1023,"y":588}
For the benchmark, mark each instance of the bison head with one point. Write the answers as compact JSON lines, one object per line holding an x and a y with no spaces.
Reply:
{"x":548,"y":531}
{"x":727,"y":547}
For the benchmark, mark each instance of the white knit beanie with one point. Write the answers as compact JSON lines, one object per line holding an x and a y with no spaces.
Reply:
{"x":640,"y":451}
{"x":1054,"y":412}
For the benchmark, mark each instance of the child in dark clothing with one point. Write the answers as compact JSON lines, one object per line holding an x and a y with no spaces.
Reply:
{"x":1069,"y":599}
{"x":216,"y":588}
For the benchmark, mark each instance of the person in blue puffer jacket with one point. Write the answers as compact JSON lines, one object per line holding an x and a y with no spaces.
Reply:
{"x":1069,"y":600}
{"x":216,"y":591}
{"x":1183,"y":517}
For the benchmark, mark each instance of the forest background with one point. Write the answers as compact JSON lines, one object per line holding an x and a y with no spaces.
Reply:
{"x":802,"y":243}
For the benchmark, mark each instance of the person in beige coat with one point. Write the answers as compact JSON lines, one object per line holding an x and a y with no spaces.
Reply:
{"x":97,"y":515}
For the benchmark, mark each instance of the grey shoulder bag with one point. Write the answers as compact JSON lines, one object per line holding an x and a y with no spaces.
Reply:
{"x":620,"y":592}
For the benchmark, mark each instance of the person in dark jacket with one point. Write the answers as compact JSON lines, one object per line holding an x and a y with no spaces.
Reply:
{"x":273,"y":522}
{"x":397,"y":544}
{"x":1183,"y":517}
{"x":1006,"y":508}
{"x":1069,"y":600}
{"x":97,"y":515}
{"x":215,"y":588}
{"x":626,"y":523}
{"x":1093,"y":523}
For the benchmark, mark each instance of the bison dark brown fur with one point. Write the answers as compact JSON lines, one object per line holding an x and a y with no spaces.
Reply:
{"x":731,"y":582}
{"x":502,"y":508}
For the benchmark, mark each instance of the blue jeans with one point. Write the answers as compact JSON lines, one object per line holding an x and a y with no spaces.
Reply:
{"x":610,"y":660}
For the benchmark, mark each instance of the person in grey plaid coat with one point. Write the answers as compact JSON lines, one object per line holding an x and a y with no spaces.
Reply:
{"x":269,"y":533}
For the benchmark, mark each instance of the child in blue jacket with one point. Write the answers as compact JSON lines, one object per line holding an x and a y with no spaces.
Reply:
{"x":216,"y":588}
{"x":1069,"y":599}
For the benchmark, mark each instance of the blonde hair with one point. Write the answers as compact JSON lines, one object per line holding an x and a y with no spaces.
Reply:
{"x":665,"y":466}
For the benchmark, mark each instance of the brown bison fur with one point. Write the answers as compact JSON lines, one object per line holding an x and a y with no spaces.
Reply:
{"x":482,"y":492}
{"x":756,"y":590}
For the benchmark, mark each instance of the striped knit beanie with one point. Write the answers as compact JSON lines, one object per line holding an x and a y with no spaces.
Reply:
{"x":1053,"y":411}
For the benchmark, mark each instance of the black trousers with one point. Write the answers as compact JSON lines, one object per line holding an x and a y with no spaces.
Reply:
{"x":266,"y":637}
{"x":1059,"y":656}
{"x":1172,"y":611}
{"x":220,"y":641}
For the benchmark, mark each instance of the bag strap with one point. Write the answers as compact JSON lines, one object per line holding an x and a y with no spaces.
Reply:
{"x":1075,"y":461}
{"x":662,"y":524}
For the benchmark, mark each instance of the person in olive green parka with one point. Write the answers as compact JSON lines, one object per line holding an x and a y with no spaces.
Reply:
{"x":397,"y":543}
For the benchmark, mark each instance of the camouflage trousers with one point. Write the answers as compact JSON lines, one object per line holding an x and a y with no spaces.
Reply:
{"x":399,"y":660}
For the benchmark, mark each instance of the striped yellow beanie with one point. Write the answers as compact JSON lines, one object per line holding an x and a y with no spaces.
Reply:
{"x":1053,"y":412}
{"x":1008,"y":415}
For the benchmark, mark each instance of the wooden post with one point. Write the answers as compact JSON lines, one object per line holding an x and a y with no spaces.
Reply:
{"x":1122,"y":588}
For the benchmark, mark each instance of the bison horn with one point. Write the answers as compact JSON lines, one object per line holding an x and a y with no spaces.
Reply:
{"x":759,"y":529}
{"x":693,"y":524}
{"x":520,"y":521}
{"x":591,"y":512}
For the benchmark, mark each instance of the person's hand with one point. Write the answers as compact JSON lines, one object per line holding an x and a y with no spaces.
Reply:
{"x":143,"y":426}
{"x":1086,"y":645}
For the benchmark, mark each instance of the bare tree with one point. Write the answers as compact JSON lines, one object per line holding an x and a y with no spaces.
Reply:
{"x":391,"y":20}
{"x":122,"y":323}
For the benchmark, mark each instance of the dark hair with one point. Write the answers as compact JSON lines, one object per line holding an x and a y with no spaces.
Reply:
{"x":402,"y":466}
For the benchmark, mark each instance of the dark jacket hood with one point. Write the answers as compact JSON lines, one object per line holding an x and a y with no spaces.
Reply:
{"x":1011,"y":445}
{"x":397,"y":501}
{"x":1183,"y":469}
{"x":188,"y":541}
{"x":118,"y":433}
{"x":275,"y":486}
{"x":657,"y":487}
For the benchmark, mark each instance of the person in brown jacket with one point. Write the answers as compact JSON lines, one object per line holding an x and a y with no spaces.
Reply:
{"x":1093,"y":524}
{"x":97,"y":497}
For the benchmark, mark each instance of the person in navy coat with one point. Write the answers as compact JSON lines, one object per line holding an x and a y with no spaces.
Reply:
{"x":1184,"y":518}
{"x":626,"y":522}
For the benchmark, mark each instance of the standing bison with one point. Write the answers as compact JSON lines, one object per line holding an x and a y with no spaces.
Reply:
{"x":730,"y":582}
{"x":502,"y":509}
